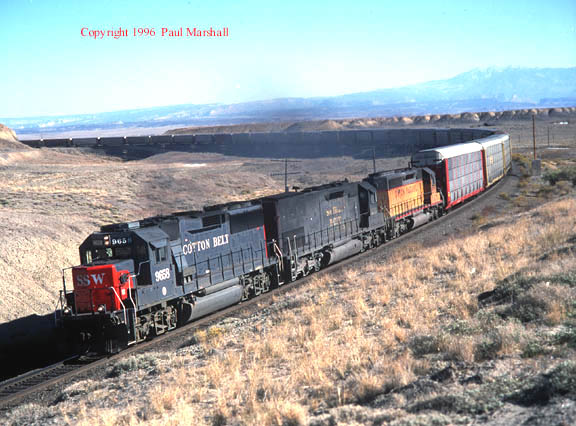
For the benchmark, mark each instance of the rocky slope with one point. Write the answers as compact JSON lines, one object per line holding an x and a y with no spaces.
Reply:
{"x":9,"y":141}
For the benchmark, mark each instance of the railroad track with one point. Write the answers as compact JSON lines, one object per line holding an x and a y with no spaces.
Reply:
{"x":28,"y":383}
{"x":15,"y":390}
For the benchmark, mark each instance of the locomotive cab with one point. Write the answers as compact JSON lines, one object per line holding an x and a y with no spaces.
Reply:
{"x":106,"y":279}
{"x":125,"y":269}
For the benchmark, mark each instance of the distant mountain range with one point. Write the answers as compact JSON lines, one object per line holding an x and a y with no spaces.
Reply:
{"x":491,"y":89}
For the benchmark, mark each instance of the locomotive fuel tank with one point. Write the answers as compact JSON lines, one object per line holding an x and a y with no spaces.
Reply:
{"x":211,"y":302}
{"x":339,"y":253}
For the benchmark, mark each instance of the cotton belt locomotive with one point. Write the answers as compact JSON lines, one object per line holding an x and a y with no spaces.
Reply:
{"x":143,"y":278}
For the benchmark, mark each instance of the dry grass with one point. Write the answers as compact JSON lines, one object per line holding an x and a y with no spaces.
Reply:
{"x":369,"y":331}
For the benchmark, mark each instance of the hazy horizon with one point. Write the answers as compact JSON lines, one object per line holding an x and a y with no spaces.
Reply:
{"x":478,"y":69}
{"x":273,"y":50}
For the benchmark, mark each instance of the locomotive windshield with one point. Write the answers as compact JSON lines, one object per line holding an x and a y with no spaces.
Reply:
{"x":99,"y":254}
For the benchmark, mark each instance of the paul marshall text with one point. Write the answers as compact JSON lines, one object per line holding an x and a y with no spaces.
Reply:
{"x":194,"y":32}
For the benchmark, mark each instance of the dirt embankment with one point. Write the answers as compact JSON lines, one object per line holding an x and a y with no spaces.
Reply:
{"x":9,"y":141}
{"x":11,"y":149}
{"x":489,"y":118}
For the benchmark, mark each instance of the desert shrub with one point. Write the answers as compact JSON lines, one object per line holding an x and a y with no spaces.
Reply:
{"x":488,"y":347}
{"x":524,"y":164}
{"x":563,"y":174}
{"x":426,"y":344}
{"x":512,"y":287}
{"x":29,"y":414}
{"x":545,"y":302}
{"x":563,"y":379}
{"x":479,"y":219}
{"x":460,"y":327}
{"x":487,"y":320}
{"x":560,"y":381}
{"x":533,"y":348}
{"x":79,"y":388}
{"x":566,"y":336}
{"x":527,"y":308}
{"x":134,"y":363}
{"x":483,"y":400}
{"x":558,"y":189}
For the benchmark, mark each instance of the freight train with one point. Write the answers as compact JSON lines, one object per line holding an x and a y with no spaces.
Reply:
{"x":143,"y":278}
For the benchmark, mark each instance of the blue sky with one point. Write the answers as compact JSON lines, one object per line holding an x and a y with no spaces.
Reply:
{"x":274,"y":49}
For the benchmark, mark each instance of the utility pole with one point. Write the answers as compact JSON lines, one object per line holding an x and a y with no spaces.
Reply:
{"x":373,"y":149}
{"x":534,"y":134}
{"x":548,"y":128}
{"x":286,"y":161}
{"x":536,"y":164}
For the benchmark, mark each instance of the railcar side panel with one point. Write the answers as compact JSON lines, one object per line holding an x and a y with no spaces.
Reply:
{"x":459,"y":170}
{"x":507,"y":153}
{"x":494,"y":159}
{"x":465,"y":177}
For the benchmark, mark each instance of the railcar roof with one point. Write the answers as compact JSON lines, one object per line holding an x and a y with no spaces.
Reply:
{"x":449,"y":151}
{"x":492,"y":140}
{"x":392,"y":173}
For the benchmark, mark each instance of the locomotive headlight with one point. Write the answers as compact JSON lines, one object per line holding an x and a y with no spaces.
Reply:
{"x":101,"y":309}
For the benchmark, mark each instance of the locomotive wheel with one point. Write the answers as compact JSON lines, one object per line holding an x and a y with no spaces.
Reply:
{"x":258,"y":286}
{"x":172,"y":318}
{"x":246,"y":293}
{"x":266,"y":282}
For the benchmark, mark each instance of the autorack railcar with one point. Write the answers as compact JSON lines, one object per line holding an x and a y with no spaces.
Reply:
{"x":496,"y":152}
{"x":459,"y":168}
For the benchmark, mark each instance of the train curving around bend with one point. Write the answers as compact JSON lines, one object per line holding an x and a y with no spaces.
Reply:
{"x":140,"y":279}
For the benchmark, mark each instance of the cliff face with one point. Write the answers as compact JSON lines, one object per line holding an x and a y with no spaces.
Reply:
{"x":9,"y":141}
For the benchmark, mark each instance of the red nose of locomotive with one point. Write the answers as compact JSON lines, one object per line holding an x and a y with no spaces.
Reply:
{"x":100,"y":288}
